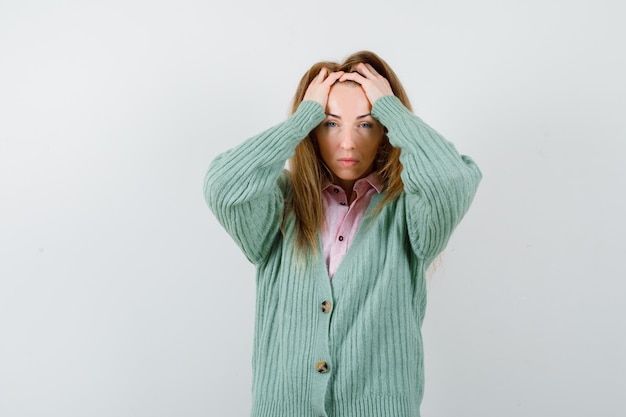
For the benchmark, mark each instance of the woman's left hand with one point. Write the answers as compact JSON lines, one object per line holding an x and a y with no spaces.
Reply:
{"x":374,"y":84}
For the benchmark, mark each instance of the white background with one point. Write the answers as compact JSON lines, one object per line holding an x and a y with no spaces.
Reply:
{"x":120,"y":295}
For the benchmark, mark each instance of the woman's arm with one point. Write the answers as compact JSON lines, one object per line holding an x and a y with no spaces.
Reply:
{"x":241,"y":185}
{"x":439,"y":182}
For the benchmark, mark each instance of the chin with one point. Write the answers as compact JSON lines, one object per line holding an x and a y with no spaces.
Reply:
{"x":349,"y":176}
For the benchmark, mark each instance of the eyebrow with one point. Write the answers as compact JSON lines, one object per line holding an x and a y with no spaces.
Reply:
{"x":358,"y":117}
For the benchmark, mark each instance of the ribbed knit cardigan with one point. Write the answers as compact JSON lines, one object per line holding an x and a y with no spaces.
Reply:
{"x":350,"y":347}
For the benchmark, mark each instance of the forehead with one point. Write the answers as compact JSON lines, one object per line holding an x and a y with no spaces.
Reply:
{"x":347,"y":99}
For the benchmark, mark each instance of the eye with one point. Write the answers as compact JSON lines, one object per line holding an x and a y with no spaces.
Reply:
{"x":366,"y":125}
{"x":330,"y":124}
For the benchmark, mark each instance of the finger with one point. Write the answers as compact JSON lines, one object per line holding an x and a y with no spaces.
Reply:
{"x":353,"y":76}
{"x":364,"y":70}
{"x":333,"y":77}
{"x":373,"y":70}
{"x":368,"y":71}
{"x":322,"y":74}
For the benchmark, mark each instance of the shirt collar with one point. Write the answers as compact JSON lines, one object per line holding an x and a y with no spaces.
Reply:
{"x":371,"y":181}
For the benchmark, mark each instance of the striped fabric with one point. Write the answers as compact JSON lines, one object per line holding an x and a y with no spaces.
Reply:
{"x":352,"y":346}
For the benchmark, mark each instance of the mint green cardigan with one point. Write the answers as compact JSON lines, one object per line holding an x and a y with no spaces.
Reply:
{"x":350,"y":347}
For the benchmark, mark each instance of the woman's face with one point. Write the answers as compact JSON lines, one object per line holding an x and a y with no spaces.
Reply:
{"x":349,"y":137}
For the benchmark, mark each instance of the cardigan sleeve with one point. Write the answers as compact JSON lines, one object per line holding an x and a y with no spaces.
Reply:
{"x":439,"y":183}
{"x":241,"y":185}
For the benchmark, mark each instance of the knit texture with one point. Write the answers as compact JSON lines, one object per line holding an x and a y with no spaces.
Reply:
{"x":370,"y":337}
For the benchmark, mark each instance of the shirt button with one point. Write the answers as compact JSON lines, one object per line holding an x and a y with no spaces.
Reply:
{"x":342,"y":203}
{"x":326,"y":306}
{"x":322,"y":367}
{"x":336,"y":190}
{"x":341,"y":238}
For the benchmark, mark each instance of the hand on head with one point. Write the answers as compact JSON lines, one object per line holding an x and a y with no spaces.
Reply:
{"x":319,"y":87}
{"x":374,"y":84}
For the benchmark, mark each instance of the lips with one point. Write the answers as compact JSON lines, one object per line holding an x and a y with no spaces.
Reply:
{"x":348,"y":162}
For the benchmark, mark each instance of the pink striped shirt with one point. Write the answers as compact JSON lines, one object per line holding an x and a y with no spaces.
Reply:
{"x":342,"y":221}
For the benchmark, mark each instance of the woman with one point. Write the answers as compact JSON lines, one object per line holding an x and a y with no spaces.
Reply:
{"x":341,"y":241}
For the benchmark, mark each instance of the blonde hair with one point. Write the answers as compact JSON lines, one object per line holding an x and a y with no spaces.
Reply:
{"x":307,"y":169}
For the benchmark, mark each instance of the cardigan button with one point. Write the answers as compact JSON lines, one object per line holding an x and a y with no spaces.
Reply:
{"x":326,"y":306}
{"x":322,"y":367}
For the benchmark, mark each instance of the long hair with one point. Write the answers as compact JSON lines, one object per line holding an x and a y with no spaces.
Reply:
{"x":308,"y":171}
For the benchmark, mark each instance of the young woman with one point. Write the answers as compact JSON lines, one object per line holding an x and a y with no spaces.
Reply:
{"x":341,"y":241}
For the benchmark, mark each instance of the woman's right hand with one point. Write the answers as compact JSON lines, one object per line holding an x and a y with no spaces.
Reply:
{"x":319,"y":87}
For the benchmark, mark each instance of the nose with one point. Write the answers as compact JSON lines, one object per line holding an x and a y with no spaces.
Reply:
{"x":347,"y":139}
